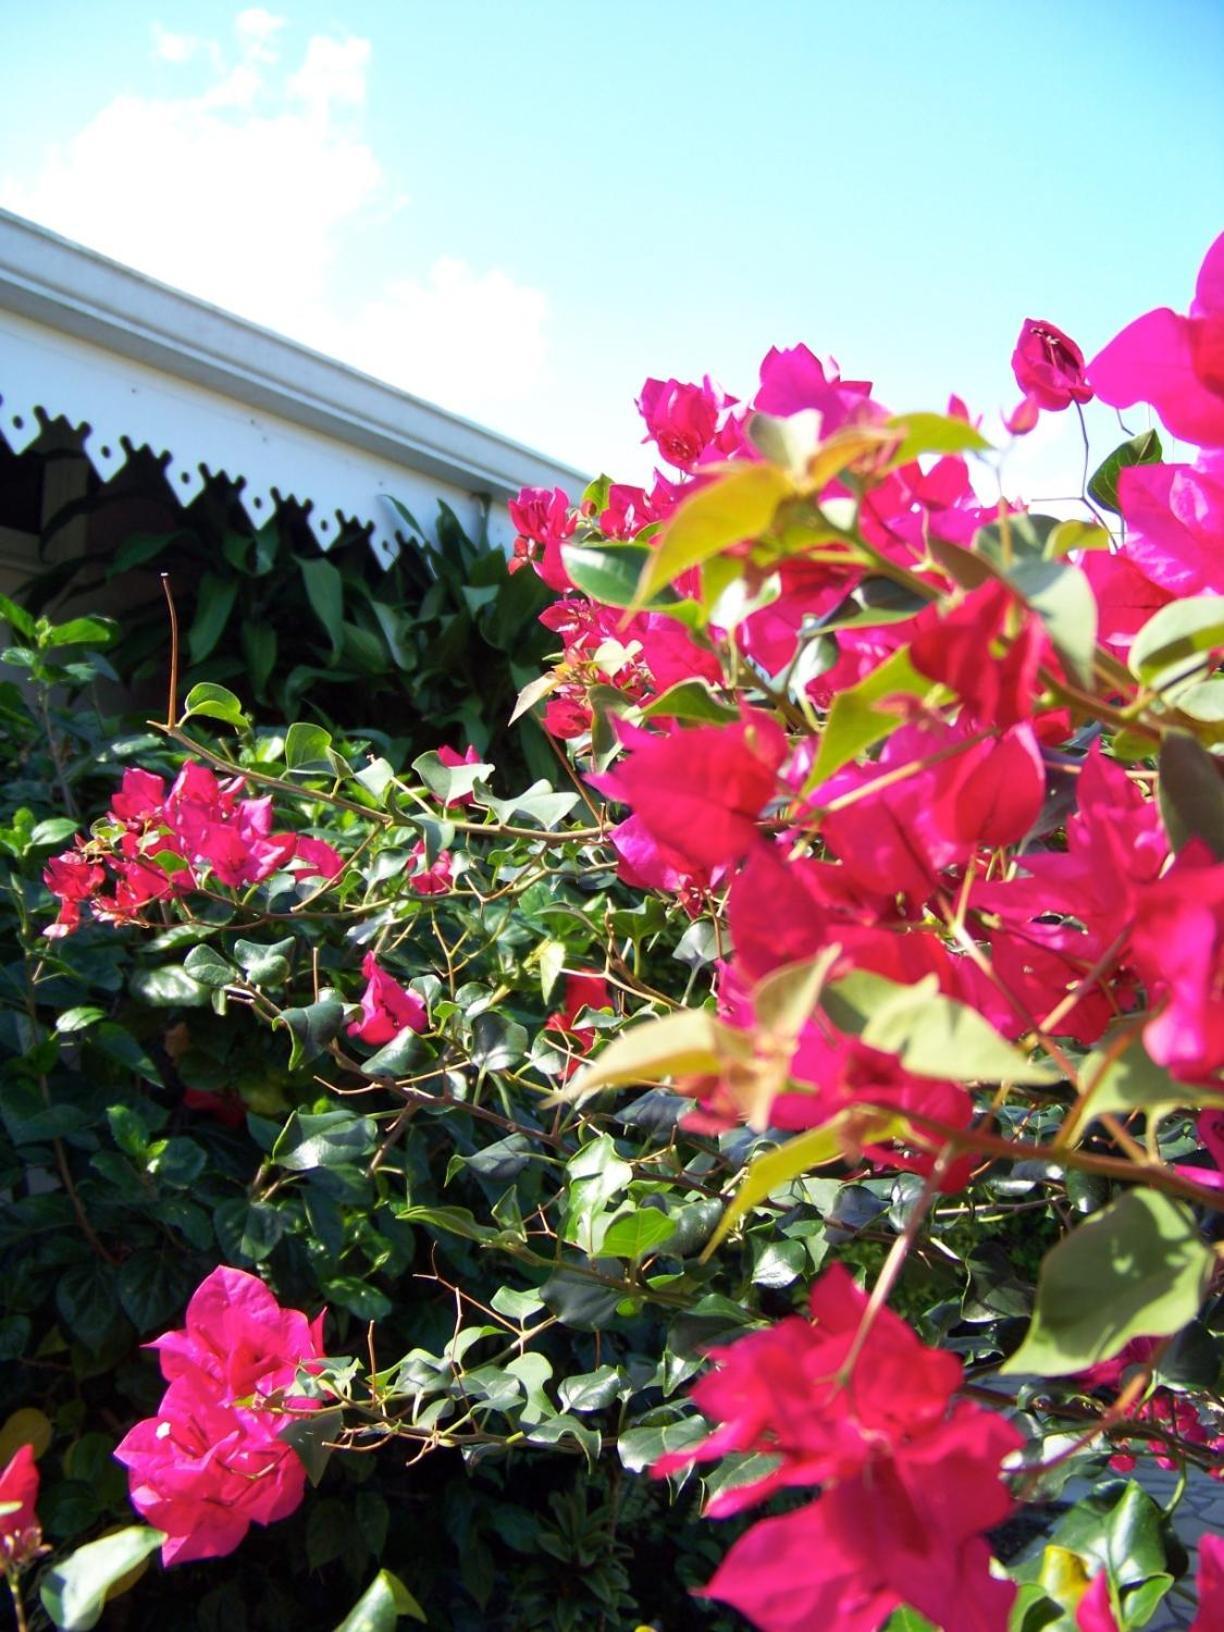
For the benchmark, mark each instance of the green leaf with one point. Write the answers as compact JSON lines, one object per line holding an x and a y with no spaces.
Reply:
{"x":215,"y":703}
{"x":308,"y":1432}
{"x":1131,"y":1081}
{"x":214,"y":604}
{"x":447,"y":782}
{"x":1138,"y":1268}
{"x":384,"y":1603}
{"x":74,"y":1593}
{"x":54,"y":830}
{"x":590,"y":1390}
{"x":325,"y":592}
{"x":553,"y":1429}
{"x":153,"y":1286}
{"x":1191,"y":793}
{"x":208,"y":968}
{"x":1001,"y":546}
{"x":691,"y":1042}
{"x":1077,"y":535}
{"x":1144,"y":449}
{"x":497,"y":1043}
{"x":859,"y":719}
{"x":401,"y":1057}
{"x":17,"y":616}
{"x":932,"y":1035}
{"x":168,"y":987}
{"x":610,"y":573}
{"x":248,"y":1231}
{"x":635,"y":1235}
{"x":690,"y":700}
{"x":738,"y":506}
{"x":82,"y":632}
{"x":307,"y":748}
{"x":934,"y":433}
{"x":77,"y":1019}
{"x":1062,"y":598}
{"x":453,"y":1220}
{"x":86,"y":1299}
{"x":311,"y":1028}
{"x":774,"y":1169}
{"x":265,"y":965}
{"x":1173,"y":642}
{"x":581,"y":1300}
{"x":328,"y":1139}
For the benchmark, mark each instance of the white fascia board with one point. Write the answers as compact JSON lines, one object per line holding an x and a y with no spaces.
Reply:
{"x":86,"y":338}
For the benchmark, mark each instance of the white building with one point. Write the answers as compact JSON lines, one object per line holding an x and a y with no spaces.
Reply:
{"x":98,"y":362}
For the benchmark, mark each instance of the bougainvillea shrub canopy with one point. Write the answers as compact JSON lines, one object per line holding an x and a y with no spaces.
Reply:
{"x":804,"y":1111}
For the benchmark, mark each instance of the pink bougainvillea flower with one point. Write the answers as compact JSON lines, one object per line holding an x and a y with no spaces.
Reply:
{"x":909,"y":1482}
{"x":890,"y":838}
{"x":386,"y":1007}
{"x":681,"y":420}
{"x":1094,"y":1612}
{"x":434,"y":877}
{"x":1175,"y":524}
{"x":1177,"y":945}
{"x":1049,"y":366}
{"x":1210,"y":1585}
{"x":907,"y":1530}
{"x":780,"y":1392}
{"x":140,"y":798}
{"x":586,"y":990}
{"x":20,"y":1536}
{"x":988,"y":649}
{"x":74,"y":879}
{"x":239,"y":1338}
{"x":543,"y":521}
{"x":204,"y":1472}
{"x":1125,"y":595}
{"x":992,"y":793}
{"x":315,"y":856}
{"x":1175,"y":363}
{"x":794,"y":379}
{"x":211,"y":1462}
{"x":698,"y":793}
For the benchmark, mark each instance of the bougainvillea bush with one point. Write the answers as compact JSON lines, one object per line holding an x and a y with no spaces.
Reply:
{"x":782,"y":1163}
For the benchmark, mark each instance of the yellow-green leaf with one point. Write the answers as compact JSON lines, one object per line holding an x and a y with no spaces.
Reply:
{"x":688,"y":1043}
{"x":816,"y":1147}
{"x":934,"y":433}
{"x":738,"y":505}
{"x":932,"y":1035}
{"x":1138,"y":1268}
{"x":859,"y":718}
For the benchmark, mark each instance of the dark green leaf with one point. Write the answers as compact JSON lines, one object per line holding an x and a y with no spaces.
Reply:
{"x":384,"y":1602}
{"x":1191,"y":793}
{"x":312,"y":1028}
{"x":1144,"y":449}
{"x":214,"y":604}
{"x":329,"y":1139}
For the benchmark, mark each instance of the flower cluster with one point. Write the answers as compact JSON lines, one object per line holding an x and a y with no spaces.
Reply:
{"x":909,"y":1480}
{"x":155,"y":844}
{"x":211,"y":1462}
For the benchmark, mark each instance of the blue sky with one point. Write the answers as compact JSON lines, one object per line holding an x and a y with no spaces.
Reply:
{"x":522,"y":209}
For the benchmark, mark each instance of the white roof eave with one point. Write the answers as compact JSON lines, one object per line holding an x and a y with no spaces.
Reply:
{"x":144,"y":365}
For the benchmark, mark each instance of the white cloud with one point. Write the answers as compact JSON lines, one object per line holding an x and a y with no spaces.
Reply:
{"x":245,"y":193}
{"x":470,"y":340}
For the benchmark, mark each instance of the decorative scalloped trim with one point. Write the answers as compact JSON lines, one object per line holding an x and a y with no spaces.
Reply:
{"x":122,"y":405}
